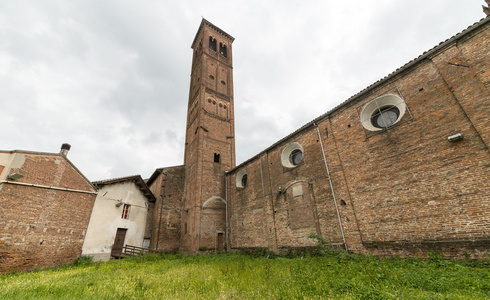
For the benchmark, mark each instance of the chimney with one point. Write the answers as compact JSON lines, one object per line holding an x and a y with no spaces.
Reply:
{"x":64,"y":149}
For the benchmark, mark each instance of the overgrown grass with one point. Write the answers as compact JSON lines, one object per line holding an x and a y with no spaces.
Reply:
{"x":334,"y":275}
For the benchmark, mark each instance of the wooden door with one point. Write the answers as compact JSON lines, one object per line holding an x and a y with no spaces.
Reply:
{"x":119,"y":242}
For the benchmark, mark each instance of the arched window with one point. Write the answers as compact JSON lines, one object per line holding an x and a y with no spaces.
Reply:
{"x":212,"y":43}
{"x":222,"y":49}
{"x":241,"y":179}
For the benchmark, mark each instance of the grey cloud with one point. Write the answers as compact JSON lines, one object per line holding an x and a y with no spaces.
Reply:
{"x":112,"y":77}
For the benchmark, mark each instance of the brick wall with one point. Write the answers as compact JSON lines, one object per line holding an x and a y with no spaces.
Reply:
{"x":42,"y":227}
{"x":405,"y":190}
{"x":209,"y":135}
{"x":165,"y":214}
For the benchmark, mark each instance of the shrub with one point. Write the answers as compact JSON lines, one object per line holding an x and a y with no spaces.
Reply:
{"x":83,"y":260}
{"x":259,"y":252}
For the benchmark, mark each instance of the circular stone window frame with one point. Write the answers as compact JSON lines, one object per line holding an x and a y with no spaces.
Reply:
{"x":239,"y":179}
{"x":375,"y":105}
{"x":286,"y":159}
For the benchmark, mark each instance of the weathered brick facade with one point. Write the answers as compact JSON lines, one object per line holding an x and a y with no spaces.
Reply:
{"x":377,"y":174}
{"x":44,"y":214}
{"x":210,"y":141}
{"x":401,"y":168}
{"x":403,"y":189}
{"x":165,"y":215}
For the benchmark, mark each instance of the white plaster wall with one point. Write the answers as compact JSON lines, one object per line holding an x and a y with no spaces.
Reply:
{"x":106,"y":219}
{"x":9,"y":161}
{"x":4,"y":158}
{"x":5,"y":161}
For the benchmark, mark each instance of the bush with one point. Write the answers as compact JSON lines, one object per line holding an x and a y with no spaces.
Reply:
{"x":259,"y":252}
{"x":83,"y":260}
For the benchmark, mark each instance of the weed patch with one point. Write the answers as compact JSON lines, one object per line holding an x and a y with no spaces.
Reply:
{"x":332,"y":275}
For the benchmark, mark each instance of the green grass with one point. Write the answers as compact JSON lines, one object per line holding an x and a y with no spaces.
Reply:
{"x":336,"y":275}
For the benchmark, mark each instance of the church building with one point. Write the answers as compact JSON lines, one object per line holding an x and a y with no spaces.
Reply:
{"x":400,"y":168}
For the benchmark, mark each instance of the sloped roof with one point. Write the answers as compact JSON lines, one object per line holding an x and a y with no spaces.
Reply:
{"x":135,"y":178}
{"x":157,"y":172}
{"x":206,"y":22}
{"x":51,"y":154}
{"x":440,"y":47}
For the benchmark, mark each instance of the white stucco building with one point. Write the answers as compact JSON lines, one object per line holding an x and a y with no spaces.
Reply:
{"x":119,"y":217}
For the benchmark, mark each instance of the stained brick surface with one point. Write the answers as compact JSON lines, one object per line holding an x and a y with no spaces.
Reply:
{"x":406,"y":190}
{"x":42,"y":227}
{"x":164,"y":222}
{"x":210,"y":132}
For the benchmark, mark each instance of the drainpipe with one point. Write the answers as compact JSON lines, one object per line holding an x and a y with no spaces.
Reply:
{"x":331,"y":186}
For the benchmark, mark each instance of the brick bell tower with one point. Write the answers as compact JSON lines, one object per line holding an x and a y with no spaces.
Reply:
{"x":210,"y":140}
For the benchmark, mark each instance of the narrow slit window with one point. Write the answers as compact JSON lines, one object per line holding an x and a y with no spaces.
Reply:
{"x":216,"y":158}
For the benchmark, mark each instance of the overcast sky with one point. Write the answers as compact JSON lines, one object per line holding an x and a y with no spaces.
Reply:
{"x":111,"y":78}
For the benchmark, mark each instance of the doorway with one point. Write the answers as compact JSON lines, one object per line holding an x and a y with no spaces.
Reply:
{"x":117,"y":248}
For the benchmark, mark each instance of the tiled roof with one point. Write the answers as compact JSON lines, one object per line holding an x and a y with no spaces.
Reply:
{"x":49,"y":154}
{"x":403,"y":68}
{"x":137,"y":180}
{"x":117,"y":179}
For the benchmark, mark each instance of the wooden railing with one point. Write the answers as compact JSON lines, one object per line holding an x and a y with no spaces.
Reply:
{"x":129,"y":250}
{"x":134,"y":251}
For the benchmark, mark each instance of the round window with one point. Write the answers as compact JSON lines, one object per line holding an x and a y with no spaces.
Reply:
{"x":384,"y":117}
{"x":383,"y":112}
{"x":241,"y":179}
{"x":292,"y":155}
{"x":296,"y":157}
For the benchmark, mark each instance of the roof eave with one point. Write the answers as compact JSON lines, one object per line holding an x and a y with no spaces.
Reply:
{"x":443,"y":45}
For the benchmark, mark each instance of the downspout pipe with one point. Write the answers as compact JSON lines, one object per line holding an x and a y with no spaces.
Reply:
{"x":331,"y":186}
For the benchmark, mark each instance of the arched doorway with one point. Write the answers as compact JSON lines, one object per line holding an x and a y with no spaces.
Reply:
{"x":213,"y":224}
